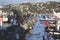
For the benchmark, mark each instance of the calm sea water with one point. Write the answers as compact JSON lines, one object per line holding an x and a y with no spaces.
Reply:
{"x":38,"y":31}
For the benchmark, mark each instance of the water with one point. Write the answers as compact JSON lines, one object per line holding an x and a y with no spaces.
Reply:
{"x":17,"y":36}
{"x":4,"y":26}
{"x":38,"y":31}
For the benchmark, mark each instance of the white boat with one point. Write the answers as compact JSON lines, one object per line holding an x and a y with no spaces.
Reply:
{"x":58,"y":19}
{"x":46,"y":17}
{"x":56,"y":14}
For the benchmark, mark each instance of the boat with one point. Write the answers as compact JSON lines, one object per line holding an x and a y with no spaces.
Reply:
{"x":56,"y":32}
{"x":58,"y":19}
{"x":44,"y":17}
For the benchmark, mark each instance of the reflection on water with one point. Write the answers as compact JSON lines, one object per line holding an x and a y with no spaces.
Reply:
{"x":38,"y":32}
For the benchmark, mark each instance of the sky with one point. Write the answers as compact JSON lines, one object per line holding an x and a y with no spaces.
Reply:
{"x":6,"y":2}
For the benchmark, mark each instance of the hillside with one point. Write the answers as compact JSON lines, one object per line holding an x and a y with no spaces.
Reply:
{"x":32,"y":7}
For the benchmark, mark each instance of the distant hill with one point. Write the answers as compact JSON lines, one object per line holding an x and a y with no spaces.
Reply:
{"x":32,"y":7}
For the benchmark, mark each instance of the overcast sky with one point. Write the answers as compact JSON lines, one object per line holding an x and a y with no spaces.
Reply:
{"x":6,"y":2}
